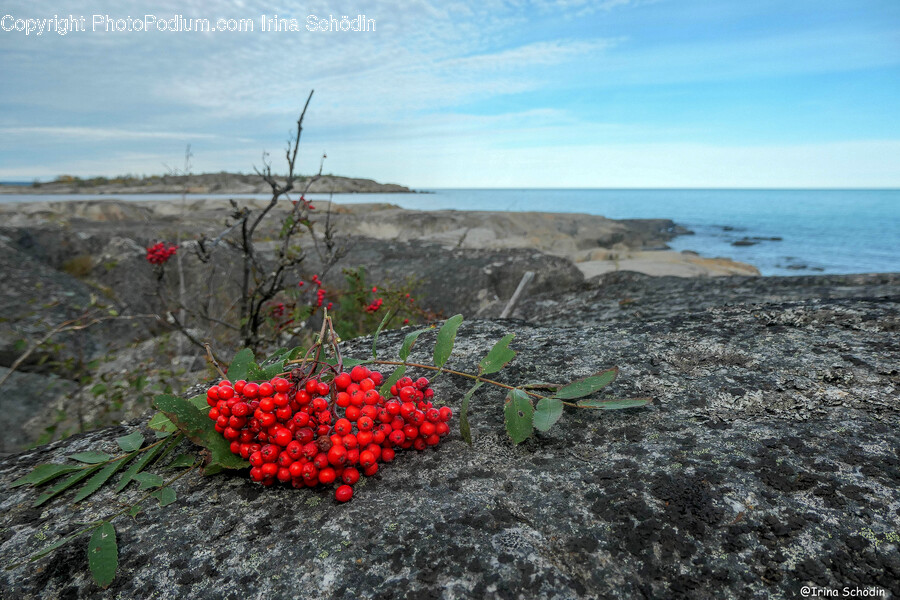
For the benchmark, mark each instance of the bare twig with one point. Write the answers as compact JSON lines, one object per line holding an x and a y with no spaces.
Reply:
{"x":70,"y":325}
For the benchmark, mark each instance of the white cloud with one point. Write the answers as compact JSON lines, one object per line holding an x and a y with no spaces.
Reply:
{"x":97,"y":134}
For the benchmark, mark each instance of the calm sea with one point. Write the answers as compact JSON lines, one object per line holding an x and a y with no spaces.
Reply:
{"x":781,"y":232}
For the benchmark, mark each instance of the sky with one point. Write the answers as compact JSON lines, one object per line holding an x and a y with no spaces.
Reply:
{"x":438,"y":93}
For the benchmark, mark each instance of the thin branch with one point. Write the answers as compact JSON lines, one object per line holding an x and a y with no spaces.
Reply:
{"x":64,"y":327}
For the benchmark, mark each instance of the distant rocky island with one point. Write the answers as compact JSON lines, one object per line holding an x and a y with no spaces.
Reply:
{"x":204,"y":183}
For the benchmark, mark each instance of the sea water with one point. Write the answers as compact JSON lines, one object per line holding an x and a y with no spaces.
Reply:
{"x":781,"y":232}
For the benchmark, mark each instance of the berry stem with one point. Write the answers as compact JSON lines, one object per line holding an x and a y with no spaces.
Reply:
{"x":466,"y":375}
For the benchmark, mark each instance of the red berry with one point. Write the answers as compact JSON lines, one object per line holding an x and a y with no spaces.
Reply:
{"x":388,"y":454}
{"x":281,"y":385}
{"x":327,"y":475}
{"x":358,"y":373}
{"x":337,"y":456}
{"x":446,"y":413}
{"x":350,"y":476}
{"x":366,"y":459}
{"x":343,"y":493}
{"x":251,"y":390}
{"x":342,"y":381}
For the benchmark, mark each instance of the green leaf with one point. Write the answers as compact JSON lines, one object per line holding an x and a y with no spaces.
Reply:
{"x":519,"y":415}
{"x":445,"y":338}
{"x":99,"y":389}
{"x":200,"y":402}
{"x":464,"y":429}
{"x":131,"y":442}
{"x":277,"y":356}
{"x":588,"y":385}
{"x":91,"y":457}
{"x":547,"y":413}
{"x":138,"y":465}
{"x":161,"y":422}
{"x":387,"y":317}
{"x":408,"y":342}
{"x":135,"y":510}
{"x":96,"y":482}
{"x":44,"y":473}
{"x":148,"y":480}
{"x":348,"y":363}
{"x":265,"y":373}
{"x":48,"y":549}
{"x":295,"y":352}
{"x":103,"y":554}
{"x":200,"y":430}
{"x":241,"y":365}
{"x":498,"y":357}
{"x":182,"y":460}
{"x":65,"y":484}
{"x":165,"y":496}
{"x":394,"y":378}
{"x":170,"y":445}
{"x":615,"y":404}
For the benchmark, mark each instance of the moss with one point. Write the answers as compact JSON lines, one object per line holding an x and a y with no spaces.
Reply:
{"x":79,"y":266}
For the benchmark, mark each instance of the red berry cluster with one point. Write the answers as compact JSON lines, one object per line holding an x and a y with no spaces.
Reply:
{"x":294,"y":434}
{"x":158,"y":254}
{"x":374,"y":306}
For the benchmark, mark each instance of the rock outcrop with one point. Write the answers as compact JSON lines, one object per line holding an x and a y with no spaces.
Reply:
{"x":767,"y":461}
{"x":206,"y":183}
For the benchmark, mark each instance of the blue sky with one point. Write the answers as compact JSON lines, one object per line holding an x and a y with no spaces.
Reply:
{"x":493,"y":93}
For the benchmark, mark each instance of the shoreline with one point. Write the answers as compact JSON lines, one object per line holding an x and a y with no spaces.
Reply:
{"x":594,"y":244}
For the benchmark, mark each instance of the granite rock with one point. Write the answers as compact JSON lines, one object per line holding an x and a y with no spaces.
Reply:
{"x":767,"y":461}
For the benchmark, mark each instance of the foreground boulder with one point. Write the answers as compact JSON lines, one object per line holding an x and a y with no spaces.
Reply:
{"x":768,"y":461}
